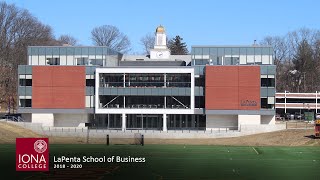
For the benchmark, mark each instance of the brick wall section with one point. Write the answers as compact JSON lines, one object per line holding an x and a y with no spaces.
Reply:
{"x":58,"y":87}
{"x":226,"y":86}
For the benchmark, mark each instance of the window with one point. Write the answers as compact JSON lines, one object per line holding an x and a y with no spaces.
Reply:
{"x":201,"y":61}
{"x":227,"y":61}
{"x":267,"y":82}
{"x":53,"y":61}
{"x":200,"y":81}
{"x":199,"y":102}
{"x":90,"y":82}
{"x":25,"y":82}
{"x":235,"y":60}
{"x":265,"y":104}
{"x":82,"y":61}
{"x":97,"y":62}
{"x":25,"y":103}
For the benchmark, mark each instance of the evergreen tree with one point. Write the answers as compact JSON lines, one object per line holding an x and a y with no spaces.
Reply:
{"x":177,"y":47}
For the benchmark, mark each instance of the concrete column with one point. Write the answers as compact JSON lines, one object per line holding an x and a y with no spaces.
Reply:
{"x":164,"y":122}
{"x":123,"y":122}
{"x":124,"y":80}
{"x":108,"y":121}
{"x":285,"y":101}
{"x":124,"y":101}
{"x":192,"y":120}
{"x":316,"y":102}
{"x":46,"y":119}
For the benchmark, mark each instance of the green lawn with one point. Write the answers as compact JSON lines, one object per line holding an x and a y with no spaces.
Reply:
{"x":179,"y":162}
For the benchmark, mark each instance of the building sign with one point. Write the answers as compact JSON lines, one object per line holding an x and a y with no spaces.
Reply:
{"x":32,"y":154}
{"x":248,"y":102}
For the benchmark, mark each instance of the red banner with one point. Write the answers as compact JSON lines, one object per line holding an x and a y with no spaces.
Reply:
{"x":32,"y":154}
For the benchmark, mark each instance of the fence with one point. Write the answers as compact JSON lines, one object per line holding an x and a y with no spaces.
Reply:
{"x":217,"y":132}
{"x":299,"y":125}
{"x":101,"y":130}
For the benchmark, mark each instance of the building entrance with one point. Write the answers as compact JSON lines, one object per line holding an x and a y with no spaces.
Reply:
{"x":144,"y":121}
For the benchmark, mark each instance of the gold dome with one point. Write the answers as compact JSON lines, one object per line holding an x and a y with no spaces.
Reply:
{"x":160,"y":29}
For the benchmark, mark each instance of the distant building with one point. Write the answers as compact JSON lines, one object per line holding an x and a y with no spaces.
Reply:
{"x":292,"y":103}
{"x":213,"y":87}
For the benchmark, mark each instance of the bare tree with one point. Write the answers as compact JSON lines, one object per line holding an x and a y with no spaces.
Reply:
{"x":297,"y":58}
{"x":18,"y":29}
{"x":111,"y":36}
{"x":280,"y":48}
{"x":68,"y":39}
{"x":148,"y":42}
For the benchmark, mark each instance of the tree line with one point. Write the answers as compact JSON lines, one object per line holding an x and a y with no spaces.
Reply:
{"x":297,"y":57}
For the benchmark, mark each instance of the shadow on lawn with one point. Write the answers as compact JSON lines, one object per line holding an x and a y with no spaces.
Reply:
{"x":311,"y":137}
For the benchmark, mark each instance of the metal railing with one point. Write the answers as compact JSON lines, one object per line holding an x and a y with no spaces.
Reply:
{"x":14,"y":118}
{"x":140,"y":130}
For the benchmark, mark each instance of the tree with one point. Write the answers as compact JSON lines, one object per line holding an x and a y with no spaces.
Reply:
{"x":18,"y":29}
{"x":148,"y":42}
{"x":68,"y":39}
{"x":303,"y":63}
{"x":297,"y":57}
{"x":280,"y":48}
{"x":111,"y":36}
{"x":177,"y":47}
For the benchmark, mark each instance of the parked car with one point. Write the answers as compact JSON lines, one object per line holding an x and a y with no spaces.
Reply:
{"x":318,"y":116}
{"x":279,"y":118}
{"x":298,"y":116}
{"x":289,"y":116}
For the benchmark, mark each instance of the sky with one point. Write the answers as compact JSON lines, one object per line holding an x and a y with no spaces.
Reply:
{"x":198,"y":22}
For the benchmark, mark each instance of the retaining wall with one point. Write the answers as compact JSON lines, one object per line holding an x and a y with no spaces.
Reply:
{"x":170,"y":134}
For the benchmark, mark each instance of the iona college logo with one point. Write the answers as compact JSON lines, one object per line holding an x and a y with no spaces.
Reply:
{"x":32,"y":154}
{"x":40,"y":146}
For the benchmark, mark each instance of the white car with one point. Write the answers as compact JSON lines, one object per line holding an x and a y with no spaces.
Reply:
{"x":318,"y":116}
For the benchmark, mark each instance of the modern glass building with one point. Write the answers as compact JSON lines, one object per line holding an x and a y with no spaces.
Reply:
{"x":221,"y":87}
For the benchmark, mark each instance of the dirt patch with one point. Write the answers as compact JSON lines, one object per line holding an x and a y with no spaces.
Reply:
{"x":9,"y":133}
{"x":289,"y":137}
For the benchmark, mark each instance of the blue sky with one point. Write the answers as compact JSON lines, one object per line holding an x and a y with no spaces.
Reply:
{"x":199,"y":22}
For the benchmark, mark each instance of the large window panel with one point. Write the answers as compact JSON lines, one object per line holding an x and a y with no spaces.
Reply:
{"x":85,"y":51}
{"x":62,"y":51}
{"x":49,"y":51}
{"x":265,"y":59}
{"x":63,"y":60}
{"x":42,"y":60}
{"x":235,"y":52}
{"x":214,"y":56}
{"x":227,"y":52}
{"x":243,"y":55}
